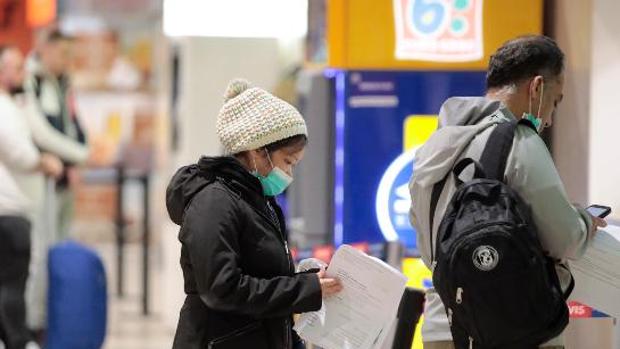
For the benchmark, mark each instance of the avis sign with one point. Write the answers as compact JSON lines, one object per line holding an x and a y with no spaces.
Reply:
{"x":439,"y":30}
{"x":578,"y":310}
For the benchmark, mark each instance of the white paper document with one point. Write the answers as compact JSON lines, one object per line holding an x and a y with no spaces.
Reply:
{"x":366,"y":307}
{"x":597,"y":273}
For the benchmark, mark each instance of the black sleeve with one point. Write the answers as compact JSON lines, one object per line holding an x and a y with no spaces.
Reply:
{"x":211,"y":235}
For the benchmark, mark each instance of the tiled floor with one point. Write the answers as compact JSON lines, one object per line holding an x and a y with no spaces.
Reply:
{"x":127,"y":327}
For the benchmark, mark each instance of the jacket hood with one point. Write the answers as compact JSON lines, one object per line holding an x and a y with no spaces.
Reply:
{"x":460,"y":120}
{"x":463,"y":111}
{"x":190,"y":180}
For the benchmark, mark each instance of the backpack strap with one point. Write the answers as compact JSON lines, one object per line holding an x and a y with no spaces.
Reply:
{"x":437,"y":189}
{"x":571,"y":284}
{"x":463,"y":164}
{"x":497,"y":149}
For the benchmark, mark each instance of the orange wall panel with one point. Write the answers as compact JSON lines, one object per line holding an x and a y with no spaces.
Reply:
{"x":362,"y":34}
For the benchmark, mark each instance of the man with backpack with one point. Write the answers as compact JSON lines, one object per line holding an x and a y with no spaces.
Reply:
{"x":493,"y":221}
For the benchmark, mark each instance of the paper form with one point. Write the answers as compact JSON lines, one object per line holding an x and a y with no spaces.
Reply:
{"x":364,"y":309}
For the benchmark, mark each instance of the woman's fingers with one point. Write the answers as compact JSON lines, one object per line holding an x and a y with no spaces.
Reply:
{"x":330,"y":286}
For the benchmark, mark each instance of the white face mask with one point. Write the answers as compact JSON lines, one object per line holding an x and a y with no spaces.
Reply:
{"x":536,"y":120}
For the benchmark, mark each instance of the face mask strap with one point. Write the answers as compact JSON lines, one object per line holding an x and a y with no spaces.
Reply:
{"x":542,"y":92}
{"x":529,"y":101}
{"x":269,"y":158}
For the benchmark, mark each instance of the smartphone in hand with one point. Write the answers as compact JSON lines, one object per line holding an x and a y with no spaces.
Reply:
{"x":599,"y":210}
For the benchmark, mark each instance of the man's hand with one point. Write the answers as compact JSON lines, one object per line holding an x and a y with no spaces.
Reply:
{"x":51,"y":165}
{"x":597,"y":223}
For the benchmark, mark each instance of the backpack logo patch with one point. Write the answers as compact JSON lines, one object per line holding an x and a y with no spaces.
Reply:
{"x":485,"y":258}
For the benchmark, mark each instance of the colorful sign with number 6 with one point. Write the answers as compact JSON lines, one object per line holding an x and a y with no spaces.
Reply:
{"x":439,"y":30}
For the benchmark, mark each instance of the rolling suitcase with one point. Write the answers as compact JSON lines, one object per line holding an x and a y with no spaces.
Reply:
{"x":77,"y":298}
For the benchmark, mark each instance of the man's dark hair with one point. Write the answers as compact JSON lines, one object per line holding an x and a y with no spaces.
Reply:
{"x":523,"y":58}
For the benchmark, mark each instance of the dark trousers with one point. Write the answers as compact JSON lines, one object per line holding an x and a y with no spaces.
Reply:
{"x":14,"y":263}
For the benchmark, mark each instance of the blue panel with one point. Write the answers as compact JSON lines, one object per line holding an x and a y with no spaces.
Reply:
{"x":370,"y":111}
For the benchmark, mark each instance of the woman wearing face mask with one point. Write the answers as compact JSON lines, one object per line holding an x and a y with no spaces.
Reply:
{"x":241,"y":286}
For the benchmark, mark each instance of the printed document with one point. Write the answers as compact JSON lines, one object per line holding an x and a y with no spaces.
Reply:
{"x":359,"y":316}
{"x":597,"y":273}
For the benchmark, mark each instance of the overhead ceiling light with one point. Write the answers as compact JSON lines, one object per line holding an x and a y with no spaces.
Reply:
{"x":236,"y":18}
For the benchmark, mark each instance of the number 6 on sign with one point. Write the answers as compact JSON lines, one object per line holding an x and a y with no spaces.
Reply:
{"x":428,"y":17}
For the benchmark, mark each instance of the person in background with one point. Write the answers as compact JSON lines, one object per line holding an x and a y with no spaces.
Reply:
{"x":240,"y":280}
{"x":50,"y":112}
{"x":18,"y":156}
{"x":49,"y":86}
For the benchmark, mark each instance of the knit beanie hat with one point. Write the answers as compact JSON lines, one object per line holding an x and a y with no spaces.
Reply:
{"x":252,"y":118}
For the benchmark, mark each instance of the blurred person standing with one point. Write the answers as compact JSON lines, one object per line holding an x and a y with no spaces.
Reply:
{"x":18,"y":156}
{"x":49,"y":87}
{"x":55,"y":129}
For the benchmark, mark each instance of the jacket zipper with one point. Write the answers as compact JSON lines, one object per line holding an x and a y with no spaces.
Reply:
{"x":281,"y":234}
{"x":235,"y":333}
{"x":286,"y":334}
{"x":459,"y":295}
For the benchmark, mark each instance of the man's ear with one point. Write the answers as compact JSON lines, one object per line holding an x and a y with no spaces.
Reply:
{"x":538,"y":83}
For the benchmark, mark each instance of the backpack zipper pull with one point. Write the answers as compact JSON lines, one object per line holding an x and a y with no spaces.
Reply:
{"x":450,"y":317}
{"x":471,"y":343}
{"x":459,"y":295}
{"x":433,"y":265}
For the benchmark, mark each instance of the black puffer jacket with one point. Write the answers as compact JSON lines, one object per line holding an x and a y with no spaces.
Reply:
{"x":240,"y":280}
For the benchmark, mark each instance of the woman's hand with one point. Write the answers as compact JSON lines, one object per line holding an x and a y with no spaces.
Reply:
{"x":329,"y":286}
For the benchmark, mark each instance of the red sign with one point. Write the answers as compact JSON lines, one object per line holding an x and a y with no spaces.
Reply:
{"x":578,"y":310}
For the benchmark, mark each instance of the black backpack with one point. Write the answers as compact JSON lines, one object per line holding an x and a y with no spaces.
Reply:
{"x":499,"y":288}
